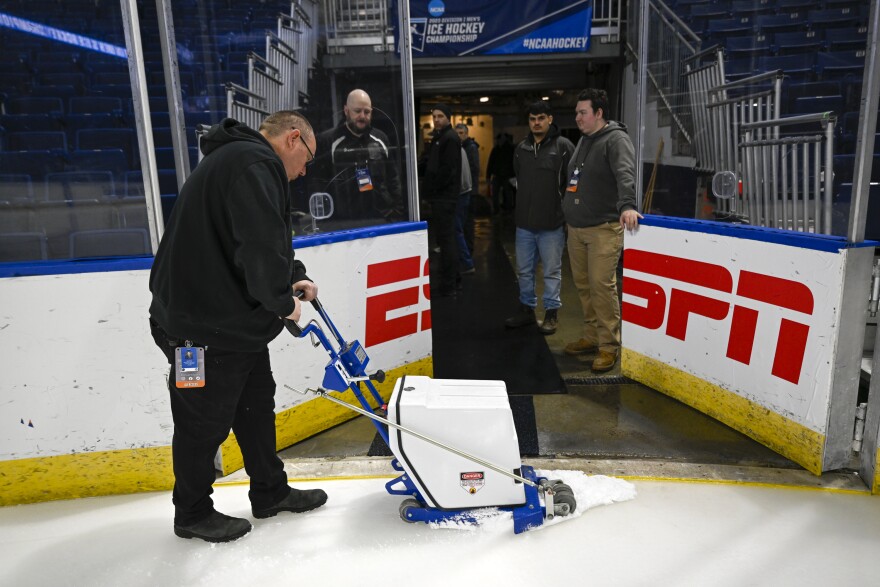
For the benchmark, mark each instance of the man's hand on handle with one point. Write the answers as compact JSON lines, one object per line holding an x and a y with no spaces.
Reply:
{"x":304,"y":290}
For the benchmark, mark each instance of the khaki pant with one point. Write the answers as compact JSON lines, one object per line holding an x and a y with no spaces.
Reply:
{"x":594,"y":253}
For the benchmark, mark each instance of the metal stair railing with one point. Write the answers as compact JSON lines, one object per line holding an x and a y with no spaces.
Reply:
{"x":795,"y":191}
{"x":282,"y":58}
{"x":752,"y":99}
{"x":264,"y":80}
{"x":699,"y":77}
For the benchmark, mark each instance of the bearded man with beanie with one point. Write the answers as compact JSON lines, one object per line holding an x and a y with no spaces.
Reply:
{"x":442,"y":184}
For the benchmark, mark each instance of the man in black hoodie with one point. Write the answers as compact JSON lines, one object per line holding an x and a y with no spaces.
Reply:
{"x":223,"y":279}
{"x":442,"y":184}
{"x":540,"y":162}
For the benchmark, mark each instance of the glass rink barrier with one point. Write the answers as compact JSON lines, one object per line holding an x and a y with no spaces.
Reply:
{"x":101,"y":105}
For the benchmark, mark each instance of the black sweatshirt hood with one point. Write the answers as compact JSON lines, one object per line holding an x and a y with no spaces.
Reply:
{"x":230,"y":131}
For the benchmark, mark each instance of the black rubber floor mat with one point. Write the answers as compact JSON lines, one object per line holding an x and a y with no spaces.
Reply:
{"x":599,"y":380}
{"x":523,"y":409}
{"x":470,"y":340}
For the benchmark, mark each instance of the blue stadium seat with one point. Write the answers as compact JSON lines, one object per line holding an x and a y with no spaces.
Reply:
{"x":842,"y":202}
{"x":16,"y":187}
{"x":776,"y":23}
{"x":63,"y":92}
{"x":846,"y":38}
{"x":34,"y":163}
{"x":737,"y":47}
{"x":16,"y":217}
{"x":113,"y":78}
{"x":844,"y":165}
{"x":110,"y":138}
{"x":835,"y":17}
{"x":840,"y":63}
{"x":724,"y":27}
{"x":815,"y":104}
{"x":23,"y":246}
{"x":112,"y":160}
{"x":798,"y":66}
{"x":36,"y":141}
{"x":109,"y":243}
{"x":76,"y":80}
{"x":73,"y":123}
{"x":798,"y":42}
{"x":753,"y":7}
{"x":72,"y":186}
{"x":30,"y":122}
{"x":134,"y":183}
{"x":165,"y":157}
{"x":95,"y":105}
{"x":35,"y":106}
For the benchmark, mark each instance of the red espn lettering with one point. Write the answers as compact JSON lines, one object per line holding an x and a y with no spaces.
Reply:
{"x":379,"y":328}
{"x":792,"y":339}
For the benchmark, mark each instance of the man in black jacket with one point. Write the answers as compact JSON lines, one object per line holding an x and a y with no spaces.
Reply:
{"x":223,"y":278}
{"x":541,"y":165}
{"x":357,"y":166}
{"x":442,"y":184}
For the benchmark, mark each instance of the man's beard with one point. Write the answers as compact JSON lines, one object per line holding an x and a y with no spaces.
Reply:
{"x":352,"y":126}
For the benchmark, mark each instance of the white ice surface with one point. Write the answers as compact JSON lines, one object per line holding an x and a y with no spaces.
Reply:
{"x":671,"y":534}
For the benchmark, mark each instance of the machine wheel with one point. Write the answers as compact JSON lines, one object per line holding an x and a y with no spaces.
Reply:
{"x":405,"y":506}
{"x":564,"y":502}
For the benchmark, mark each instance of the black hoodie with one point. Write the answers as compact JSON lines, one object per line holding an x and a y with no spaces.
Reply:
{"x":225,"y":264}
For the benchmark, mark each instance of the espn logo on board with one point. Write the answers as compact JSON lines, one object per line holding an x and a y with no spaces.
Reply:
{"x":399,"y":303}
{"x":670,"y":307}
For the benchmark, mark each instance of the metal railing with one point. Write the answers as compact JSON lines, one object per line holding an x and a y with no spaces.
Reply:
{"x":245,"y":106}
{"x":357,"y":22}
{"x":672,"y":45}
{"x":704,"y":70}
{"x":264,"y":80}
{"x":787,"y":180}
{"x":730,"y":105}
{"x":282,"y":58}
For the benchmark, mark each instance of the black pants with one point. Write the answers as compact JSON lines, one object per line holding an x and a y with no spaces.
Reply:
{"x":443,"y":220}
{"x":239,"y":393}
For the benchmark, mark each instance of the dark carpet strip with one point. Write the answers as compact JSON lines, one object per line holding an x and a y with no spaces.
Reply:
{"x":523,"y":409}
{"x":470,"y":340}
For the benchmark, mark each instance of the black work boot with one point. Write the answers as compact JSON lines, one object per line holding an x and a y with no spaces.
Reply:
{"x":215,"y":528}
{"x":548,"y":326}
{"x":524,"y":317}
{"x":297,"y":502}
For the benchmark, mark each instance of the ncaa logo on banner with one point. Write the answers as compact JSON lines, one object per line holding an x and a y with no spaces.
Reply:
{"x":436,"y":8}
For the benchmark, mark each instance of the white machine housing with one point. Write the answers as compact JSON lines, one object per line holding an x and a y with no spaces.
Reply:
{"x":470,"y":415}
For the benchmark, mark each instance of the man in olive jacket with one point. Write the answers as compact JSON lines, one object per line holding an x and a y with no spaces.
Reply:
{"x":599,"y":203}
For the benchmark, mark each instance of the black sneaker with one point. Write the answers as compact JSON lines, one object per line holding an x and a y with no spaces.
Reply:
{"x":297,"y":502}
{"x":548,"y":326}
{"x":524,"y":317}
{"x":215,"y":528}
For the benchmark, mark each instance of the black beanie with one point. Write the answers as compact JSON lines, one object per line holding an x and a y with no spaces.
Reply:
{"x":444,"y":108}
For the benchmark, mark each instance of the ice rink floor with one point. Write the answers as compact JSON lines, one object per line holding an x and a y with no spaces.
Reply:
{"x":625,"y":532}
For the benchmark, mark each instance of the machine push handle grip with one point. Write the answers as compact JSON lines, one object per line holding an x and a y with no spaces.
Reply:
{"x":291,"y":326}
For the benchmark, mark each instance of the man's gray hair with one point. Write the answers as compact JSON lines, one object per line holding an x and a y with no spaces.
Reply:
{"x":284,"y":120}
{"x":462,"y":126}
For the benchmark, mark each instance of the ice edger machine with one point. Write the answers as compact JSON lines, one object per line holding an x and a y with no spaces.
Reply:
{"x":427,"y":420}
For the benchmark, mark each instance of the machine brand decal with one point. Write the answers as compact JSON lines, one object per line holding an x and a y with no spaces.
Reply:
{"x":748,"y":289}
{"x":410,"y":298}
{"x":472,"y":482}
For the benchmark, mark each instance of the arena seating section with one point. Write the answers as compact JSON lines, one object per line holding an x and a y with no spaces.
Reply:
{"x":70,"y":173}
{"x":820,"y":47}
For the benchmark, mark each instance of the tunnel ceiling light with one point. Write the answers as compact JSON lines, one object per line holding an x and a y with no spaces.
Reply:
{"x":484,"y":98}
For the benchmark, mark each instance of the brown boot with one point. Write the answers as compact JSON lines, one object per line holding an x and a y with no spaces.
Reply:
{"x":580,"y":347}
{"x":605,"y":361}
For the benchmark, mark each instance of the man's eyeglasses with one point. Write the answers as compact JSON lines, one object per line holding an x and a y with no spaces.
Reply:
{"x":306,"y":145}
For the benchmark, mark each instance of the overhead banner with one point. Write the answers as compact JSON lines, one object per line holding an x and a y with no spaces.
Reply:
{"x":447,"y":28}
